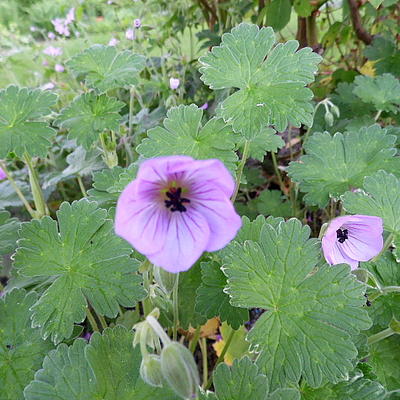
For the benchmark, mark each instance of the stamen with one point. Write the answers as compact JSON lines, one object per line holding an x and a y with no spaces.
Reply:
{"x":342,"y":235}
{"x":175,"y":200}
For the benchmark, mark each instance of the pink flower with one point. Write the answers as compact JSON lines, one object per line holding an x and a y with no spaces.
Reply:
{"x":53,"y":51}
{"x":204,"y":106}
{"x":59,"y":68}
{"x":60,"y":26}
{"x":352,"y":238}
{"x":51,"y":35}
{"x":48,"y":86}
{"x":45,"y":63}
{"x":70,"y":16}
{"x":176,"y":209}
{"x":174,"y":83}
{"x":113,"y":42}
{"x":130,"y":34}
{"x":2,"y":175}
{"x":137,"y":23}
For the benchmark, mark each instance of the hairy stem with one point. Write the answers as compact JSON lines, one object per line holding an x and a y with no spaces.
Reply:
{"x":380,"y":336}
{"x":81,"y":186}
{"x":277,"y":172}
{"x":195,"y":340}
{"x":175,"y":304}
{"x":203,"y":348}
{"x":245,"y":155}
{"x":91,"y":320}
{"x":21,"y":196}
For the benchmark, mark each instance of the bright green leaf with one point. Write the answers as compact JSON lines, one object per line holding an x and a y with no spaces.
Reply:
{"x":183,"y":134}
{"x":105,"y":68}
{"x":271,"y":80}
{"x":211,"y":299}
{"x":278,"y":14}
{"x":87,"y":264}
{"x":311,"y":312}
{"x":88,"y":116}
{"x":21,"y":121}
{"x":106,"y":368}
{"x":338,"y":163}
{"x":383,"y":91}
{"x":303,"y":8}
{"x":243,"y":381}
{"x":21,"y":348}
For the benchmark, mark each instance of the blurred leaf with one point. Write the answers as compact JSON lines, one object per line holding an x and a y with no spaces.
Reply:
{"x":8,"y":197}
{"x":271,"y":202}
{"x":21,"y":348}
{"x":21,"y":127}
{"x":278,"y":14}
{"x":385,"y":54}
{"x":88,"y":116}
{"x":104,"y":68}
{"x":88,"y":264}
{"x":183,"y":134}
{"x":8,"y":233}
{"x":311,"y":312}
{"x":338,"y":163}
{"x":303,"y":8}
{"x":271,"y":81}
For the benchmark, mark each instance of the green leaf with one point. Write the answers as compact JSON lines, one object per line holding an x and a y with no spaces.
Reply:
{"x":278,"y":14}
{"x":106,"y":368}
{"x":87,"y":264}
{"x":303,"y":8}
{"x":270,"y":202}
{"x":88,"y":116}
{"x":385,"y":360}
{"x":265,"y":140}
{"x":385,"y":54}
{"x":21,"y":348}
{"x":311,"y":311}
{"x":8,"y":197}
{"x":21,"y":127}
{"x":243,"y":381}
{"x":105,"y":68}
{"x":211,"y":299}
{"x":387,"y":272}
{"x":183,"y":134}
{"x":189,"y":282}
{"x":356,"y":388}
{"x":382,"y":91}
{"x":271,"y":80}
{"x":8,"y":233}
{"x":338,"y":163}
{"x":109,"y":183}
{"x":381,"y":198}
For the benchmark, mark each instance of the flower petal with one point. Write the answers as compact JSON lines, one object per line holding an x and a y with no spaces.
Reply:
{"x":215,"y":206}
{"x":334,"y":255}
{"x":187,"y":236}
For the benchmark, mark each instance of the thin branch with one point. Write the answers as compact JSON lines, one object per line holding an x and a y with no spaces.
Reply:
{"x":361,"y":33}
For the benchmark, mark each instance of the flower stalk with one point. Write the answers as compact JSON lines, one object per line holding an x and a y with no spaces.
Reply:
{"x":245,"y":155}
{"x":175,"y":304}
{"x":380,"y":336}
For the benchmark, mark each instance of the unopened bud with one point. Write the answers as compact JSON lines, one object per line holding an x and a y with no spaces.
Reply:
{"x":165,"y":279}
{"x":179,"y":370}
{"x":329,"y":118}
{"x":335,"y":110}
{"x":150,"y":370}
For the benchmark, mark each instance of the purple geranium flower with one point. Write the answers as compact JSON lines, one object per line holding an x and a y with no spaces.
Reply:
{"x":176,"y":209}
{"x":59,"y":68}
{"x":352,"y":238}
{"x":130,"y":34}
{"x":137,"y":23}
{"x":174,"y":83}
{"x":53,"y":51}
{"x":113,"y":41}
{"x":2,"y":175}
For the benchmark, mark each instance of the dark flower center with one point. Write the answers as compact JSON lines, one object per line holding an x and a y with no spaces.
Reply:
{"x":342,"y":235}
{"x":175,"y":201}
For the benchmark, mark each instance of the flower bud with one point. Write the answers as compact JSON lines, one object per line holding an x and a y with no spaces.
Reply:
{"x":335,"y":110}
{"x":179,"y":370}
{"x":329,"y":118}
{"x":165,"y":279}
{"x":150,"y":370}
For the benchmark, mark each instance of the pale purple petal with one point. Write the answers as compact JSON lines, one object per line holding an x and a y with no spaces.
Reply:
{"x":2,"y":175}
{"x":188,"y":234}
{"x":174,"y":83}
{"x":219,"y":212}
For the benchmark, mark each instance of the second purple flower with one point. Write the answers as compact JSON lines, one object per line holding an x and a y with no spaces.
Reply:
{"x":176,"y":209}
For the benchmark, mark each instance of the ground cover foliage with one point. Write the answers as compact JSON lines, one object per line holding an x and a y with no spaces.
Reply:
{"x":298,"y":100}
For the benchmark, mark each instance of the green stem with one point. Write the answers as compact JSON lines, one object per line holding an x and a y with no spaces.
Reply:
{"x":175,"y":303}
{"x":21,"y":196}
{"x":378,"y":114}
{"x":157,"y":328}
{"x":203,"y":348}
{"x":277,"y":172}
{"x":195,"y":340}
{"x":103,"y":322}
{"x":383,"y":291}
{"x":38,"y":197}
{"x":91,"y":320}
{"x":81,"y":186}
{"x":221,"y":357}
{"x":380,"y":336}
{"x":245,"y":155}
{"x":386,"y":245}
